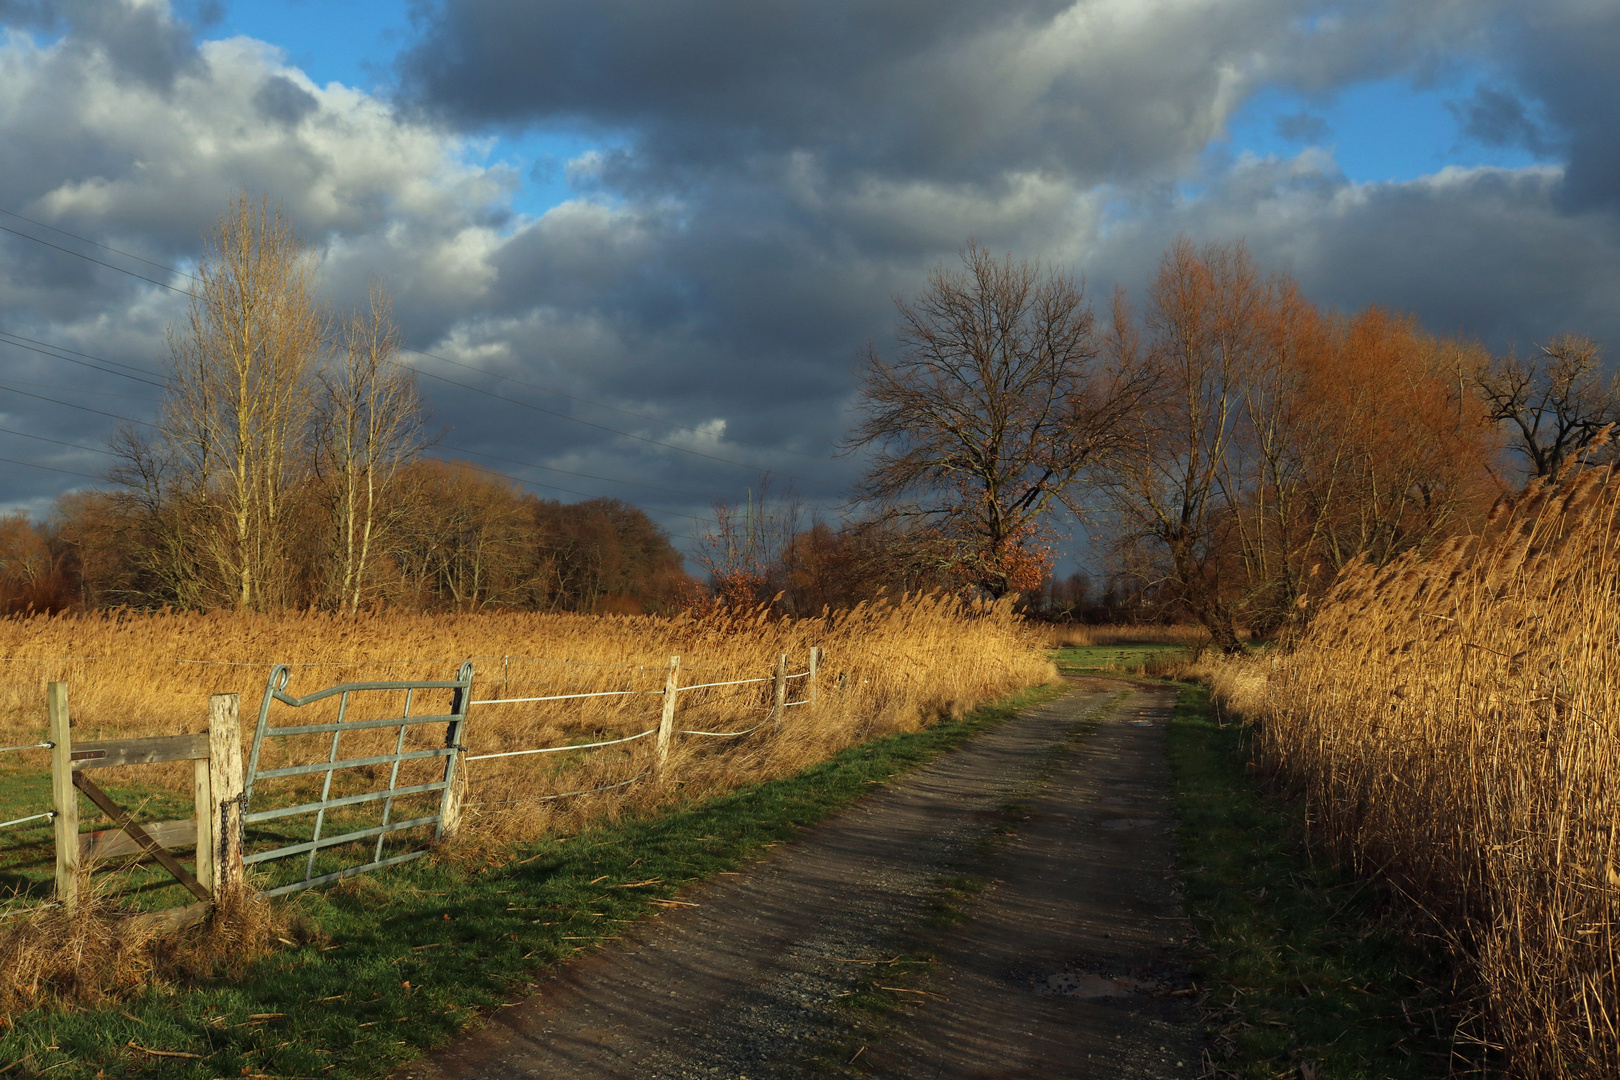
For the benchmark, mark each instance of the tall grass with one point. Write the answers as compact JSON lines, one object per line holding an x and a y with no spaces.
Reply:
{"x":1453,"y":723}
{"x":887,"y":667}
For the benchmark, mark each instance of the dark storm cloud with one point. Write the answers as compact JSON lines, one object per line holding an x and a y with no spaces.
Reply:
{"x":1498,"y":118}
{"x":282,"y":99}
{"x":954,"y":89}
{"x":1564,"y":56}
{"x":142,"y":42}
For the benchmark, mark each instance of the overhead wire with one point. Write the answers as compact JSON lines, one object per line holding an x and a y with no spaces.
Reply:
{"x":4,"y":336}
{"x":58,"y":442}
{"x":447,"y":360}
{"x":48,"y":468}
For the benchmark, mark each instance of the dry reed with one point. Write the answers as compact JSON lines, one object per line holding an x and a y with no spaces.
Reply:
{"x":1452,"y":722}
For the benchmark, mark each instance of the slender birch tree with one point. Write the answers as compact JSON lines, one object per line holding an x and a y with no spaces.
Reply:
{"x":240,"y":394}
{"x":371,"y":427}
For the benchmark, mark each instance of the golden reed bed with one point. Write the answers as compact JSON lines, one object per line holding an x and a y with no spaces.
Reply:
{"x":888,"y":667}
{"x":1454,"y":723}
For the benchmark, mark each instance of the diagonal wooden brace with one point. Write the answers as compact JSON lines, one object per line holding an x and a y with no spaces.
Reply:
{"x":140,"y":836}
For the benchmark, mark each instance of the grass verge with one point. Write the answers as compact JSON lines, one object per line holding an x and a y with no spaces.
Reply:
{"x":1305,"y":975}
{"x":394,"y":963}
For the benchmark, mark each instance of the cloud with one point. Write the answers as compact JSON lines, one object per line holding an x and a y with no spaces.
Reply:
{"x":1302,"y":127}
{"x":768,"y":178}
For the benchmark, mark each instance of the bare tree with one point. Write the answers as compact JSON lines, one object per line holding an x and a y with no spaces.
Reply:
{"x":1554,"y":403}
{"x":239,"y":395}
{"x":371,"y":426}
{"x":1205,"y":319}
{"x":996,"y":403}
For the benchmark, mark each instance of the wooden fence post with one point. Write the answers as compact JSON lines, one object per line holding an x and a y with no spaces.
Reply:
{"x":202,"y":802}
{"x":225,"y":793}
{"x":666,"y":722}
{"x":815,"y":666}
{"x":779,"y":705}
{"x":64,"y":796}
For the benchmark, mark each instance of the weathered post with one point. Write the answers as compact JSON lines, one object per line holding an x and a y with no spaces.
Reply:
{"x":64,"y":797}
{"x":666,"y":722}
{"x":815,"y":666}
{"x":779,"y":706}
{"x":202,"y":804}
{"x":225,"y":793}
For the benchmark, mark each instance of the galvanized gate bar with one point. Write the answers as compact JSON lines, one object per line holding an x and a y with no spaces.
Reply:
{"x":359,"y":725}
{"x":354,"y":763}
{"x":454,"y":721}
{"x":347,"y":800}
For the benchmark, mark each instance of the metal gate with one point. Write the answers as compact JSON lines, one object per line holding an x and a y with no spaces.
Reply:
{"x":358,"y":772}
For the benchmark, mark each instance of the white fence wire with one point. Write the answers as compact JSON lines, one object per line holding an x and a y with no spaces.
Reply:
{"x":29,"y":746}
{"x":25,"y":820}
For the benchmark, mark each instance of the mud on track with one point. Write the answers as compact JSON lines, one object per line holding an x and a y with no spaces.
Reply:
{"x":1068,"y":966}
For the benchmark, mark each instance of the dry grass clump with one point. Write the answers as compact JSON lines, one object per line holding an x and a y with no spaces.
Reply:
{"x":100,"y":954}
{"x":1081,"y":635}
{"x":1453,"y":722}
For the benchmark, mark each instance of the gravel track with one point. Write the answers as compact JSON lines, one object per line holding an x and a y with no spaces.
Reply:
{"x":1068,"y":966}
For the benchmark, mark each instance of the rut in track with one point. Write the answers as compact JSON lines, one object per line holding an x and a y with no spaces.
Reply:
{"x":1069,"y":965}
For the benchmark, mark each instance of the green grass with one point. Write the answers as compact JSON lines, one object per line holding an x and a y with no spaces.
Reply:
{"x":28,"y":852}
{"x":401,"y":960}
{"x":1109,"y":658}
{"x":1305,"y":976}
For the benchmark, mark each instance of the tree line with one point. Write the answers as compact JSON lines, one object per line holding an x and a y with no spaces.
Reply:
{"x":1231,"y":446}
{"x":1227,"y":447}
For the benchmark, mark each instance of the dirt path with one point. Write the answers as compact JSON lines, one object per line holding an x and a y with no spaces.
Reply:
{"x":1066,"y":967}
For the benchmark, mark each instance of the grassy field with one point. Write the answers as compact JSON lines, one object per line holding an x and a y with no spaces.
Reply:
{"x":387,"y":965}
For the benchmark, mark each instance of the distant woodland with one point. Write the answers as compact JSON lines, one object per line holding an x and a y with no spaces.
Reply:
{"x":1227,"y":444}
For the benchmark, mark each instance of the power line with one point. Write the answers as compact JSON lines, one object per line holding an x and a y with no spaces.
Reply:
{"x":80,"y":390}
{"x":69,"y":404}
{"x":16,"y":339}
{"x":98,"y":262}
{"x":58,"y":442}
{"x":93,"y":243}
{"x":49,"y":468}
{"x":432,"y":356}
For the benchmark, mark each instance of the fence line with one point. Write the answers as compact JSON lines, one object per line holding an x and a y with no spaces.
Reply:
{"x":560,"y":794}
{"x":221,"y":787}
{"x":561,"y":749}
{"x":728,"y":734}
{"x":562,"y":697}
{"x":734,"y":682}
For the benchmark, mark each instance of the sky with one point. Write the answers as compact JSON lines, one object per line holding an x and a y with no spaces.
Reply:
{"x":640,"y":246}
